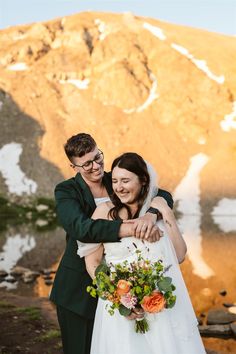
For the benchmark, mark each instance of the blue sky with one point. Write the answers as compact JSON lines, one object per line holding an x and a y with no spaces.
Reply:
{"x":213,"y":15}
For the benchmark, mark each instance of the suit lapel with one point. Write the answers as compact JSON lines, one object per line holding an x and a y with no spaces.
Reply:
{"x":84,"y":188}
{"x":87,"y":195}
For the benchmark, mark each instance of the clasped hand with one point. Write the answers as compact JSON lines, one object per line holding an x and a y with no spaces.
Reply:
{"x":145,"y":228}
{"x":136,"y":314}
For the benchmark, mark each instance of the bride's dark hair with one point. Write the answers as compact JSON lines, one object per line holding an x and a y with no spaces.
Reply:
{"x":131,"y":162}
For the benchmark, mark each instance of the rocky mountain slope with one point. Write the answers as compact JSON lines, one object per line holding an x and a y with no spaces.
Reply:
{"x":135,"y":84}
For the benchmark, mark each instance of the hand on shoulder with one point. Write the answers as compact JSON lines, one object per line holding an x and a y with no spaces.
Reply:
{"x":102,"y":210}
{"x":161,"y":204}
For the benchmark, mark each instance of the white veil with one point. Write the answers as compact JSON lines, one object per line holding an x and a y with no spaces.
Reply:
{"x":153,"y":189}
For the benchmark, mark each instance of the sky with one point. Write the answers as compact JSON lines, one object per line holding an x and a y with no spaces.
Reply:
{"x":212,"y":15}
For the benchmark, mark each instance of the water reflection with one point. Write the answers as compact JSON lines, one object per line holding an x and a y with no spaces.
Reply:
{"x":12,"y":251}
{"x":31,"y":249}
{"x":190,"y":227}
{"x":187,"y":194}
{"x":42,"y":289}
{"x":224,"y":214}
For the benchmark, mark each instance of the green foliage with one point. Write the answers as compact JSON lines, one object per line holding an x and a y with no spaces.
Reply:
{"x":45,"y":201}
{"x":124,"y":311}
{"x":103,"y":268}
{"x":17,"y":213}
{"x":5,"y":304}
{"x":164,"y":284}
{"x":170,"y":300}
{"x":91,"y":291}
{"x":32,"y":312}
{"x":53,"y":333}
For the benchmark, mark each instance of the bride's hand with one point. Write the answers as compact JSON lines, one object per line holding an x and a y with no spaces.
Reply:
{"x":155,"y":234}
{"x":145,"y":229}
{"x":136,"y":314}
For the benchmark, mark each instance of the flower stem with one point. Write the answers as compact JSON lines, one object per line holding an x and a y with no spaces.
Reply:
{"x":141,"y":326}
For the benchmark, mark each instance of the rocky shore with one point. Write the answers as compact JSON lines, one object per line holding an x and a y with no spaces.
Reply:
{"x":218,"y":322}
{"x":26,"y":275}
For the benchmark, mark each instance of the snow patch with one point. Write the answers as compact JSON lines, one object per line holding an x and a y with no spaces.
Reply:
{"x":201,"y":64}
{"x":152,"y":97}
{"x":202,"y":141}
{"x":15,"y":178}
{"x":80,"y":84}
{"x":17,"y":67}
{"x":229,"y":121}
{"x":156,"y":31}
{"x":102,"y":29}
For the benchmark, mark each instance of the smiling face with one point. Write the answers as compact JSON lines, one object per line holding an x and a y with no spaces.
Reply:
{"x":93,"y":166}
{"x":126,"y":185}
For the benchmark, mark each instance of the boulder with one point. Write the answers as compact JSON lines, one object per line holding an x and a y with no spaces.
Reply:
{"x":3,"y":273}
{"x":217,"y":331}
{"x":220,"y":317}
{"x":233,"y":328}
{"x":18,"y":271}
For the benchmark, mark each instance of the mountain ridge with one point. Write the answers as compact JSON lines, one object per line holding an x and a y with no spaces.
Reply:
{"x":134,"y":83}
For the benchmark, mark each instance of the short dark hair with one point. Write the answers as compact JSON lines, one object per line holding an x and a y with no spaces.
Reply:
{"x":134,"y":163}
{"x":79,"y":145}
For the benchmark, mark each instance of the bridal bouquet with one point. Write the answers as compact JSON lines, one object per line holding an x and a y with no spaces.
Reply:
{"x":140,"y":285}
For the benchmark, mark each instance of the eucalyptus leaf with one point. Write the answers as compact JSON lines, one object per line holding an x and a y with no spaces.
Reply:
{"x":124,"y":311}
{"x":165,"y":284}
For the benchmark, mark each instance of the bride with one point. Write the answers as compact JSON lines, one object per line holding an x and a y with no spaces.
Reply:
{"x":172,"y":331}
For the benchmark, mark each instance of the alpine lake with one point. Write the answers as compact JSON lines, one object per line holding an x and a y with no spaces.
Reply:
{"x":30,"y":237}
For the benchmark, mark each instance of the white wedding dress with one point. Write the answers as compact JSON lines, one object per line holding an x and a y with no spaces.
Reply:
{"x":172,"y":331}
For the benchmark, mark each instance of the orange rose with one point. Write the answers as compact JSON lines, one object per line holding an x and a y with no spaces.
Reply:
{"x":123,"y":287}
{"x":154,"y":302}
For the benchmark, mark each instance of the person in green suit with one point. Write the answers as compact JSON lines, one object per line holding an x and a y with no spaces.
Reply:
{"x":75,"y":203}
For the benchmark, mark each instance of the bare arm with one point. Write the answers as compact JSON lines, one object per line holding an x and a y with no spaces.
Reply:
{"x":101,"y":212}
{"x":171,"y":227}
{"x":93,"y":260}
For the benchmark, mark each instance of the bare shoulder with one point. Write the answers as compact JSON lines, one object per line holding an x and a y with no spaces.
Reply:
{"x":102,"y":210}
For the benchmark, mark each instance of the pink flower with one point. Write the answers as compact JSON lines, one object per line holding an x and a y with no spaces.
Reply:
{"x":128,"y":300}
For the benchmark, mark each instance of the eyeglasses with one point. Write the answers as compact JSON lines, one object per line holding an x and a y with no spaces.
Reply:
{"x":88,"y":165}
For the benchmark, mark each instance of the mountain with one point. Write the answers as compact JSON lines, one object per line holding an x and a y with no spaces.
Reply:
{"x":165,"y":91}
